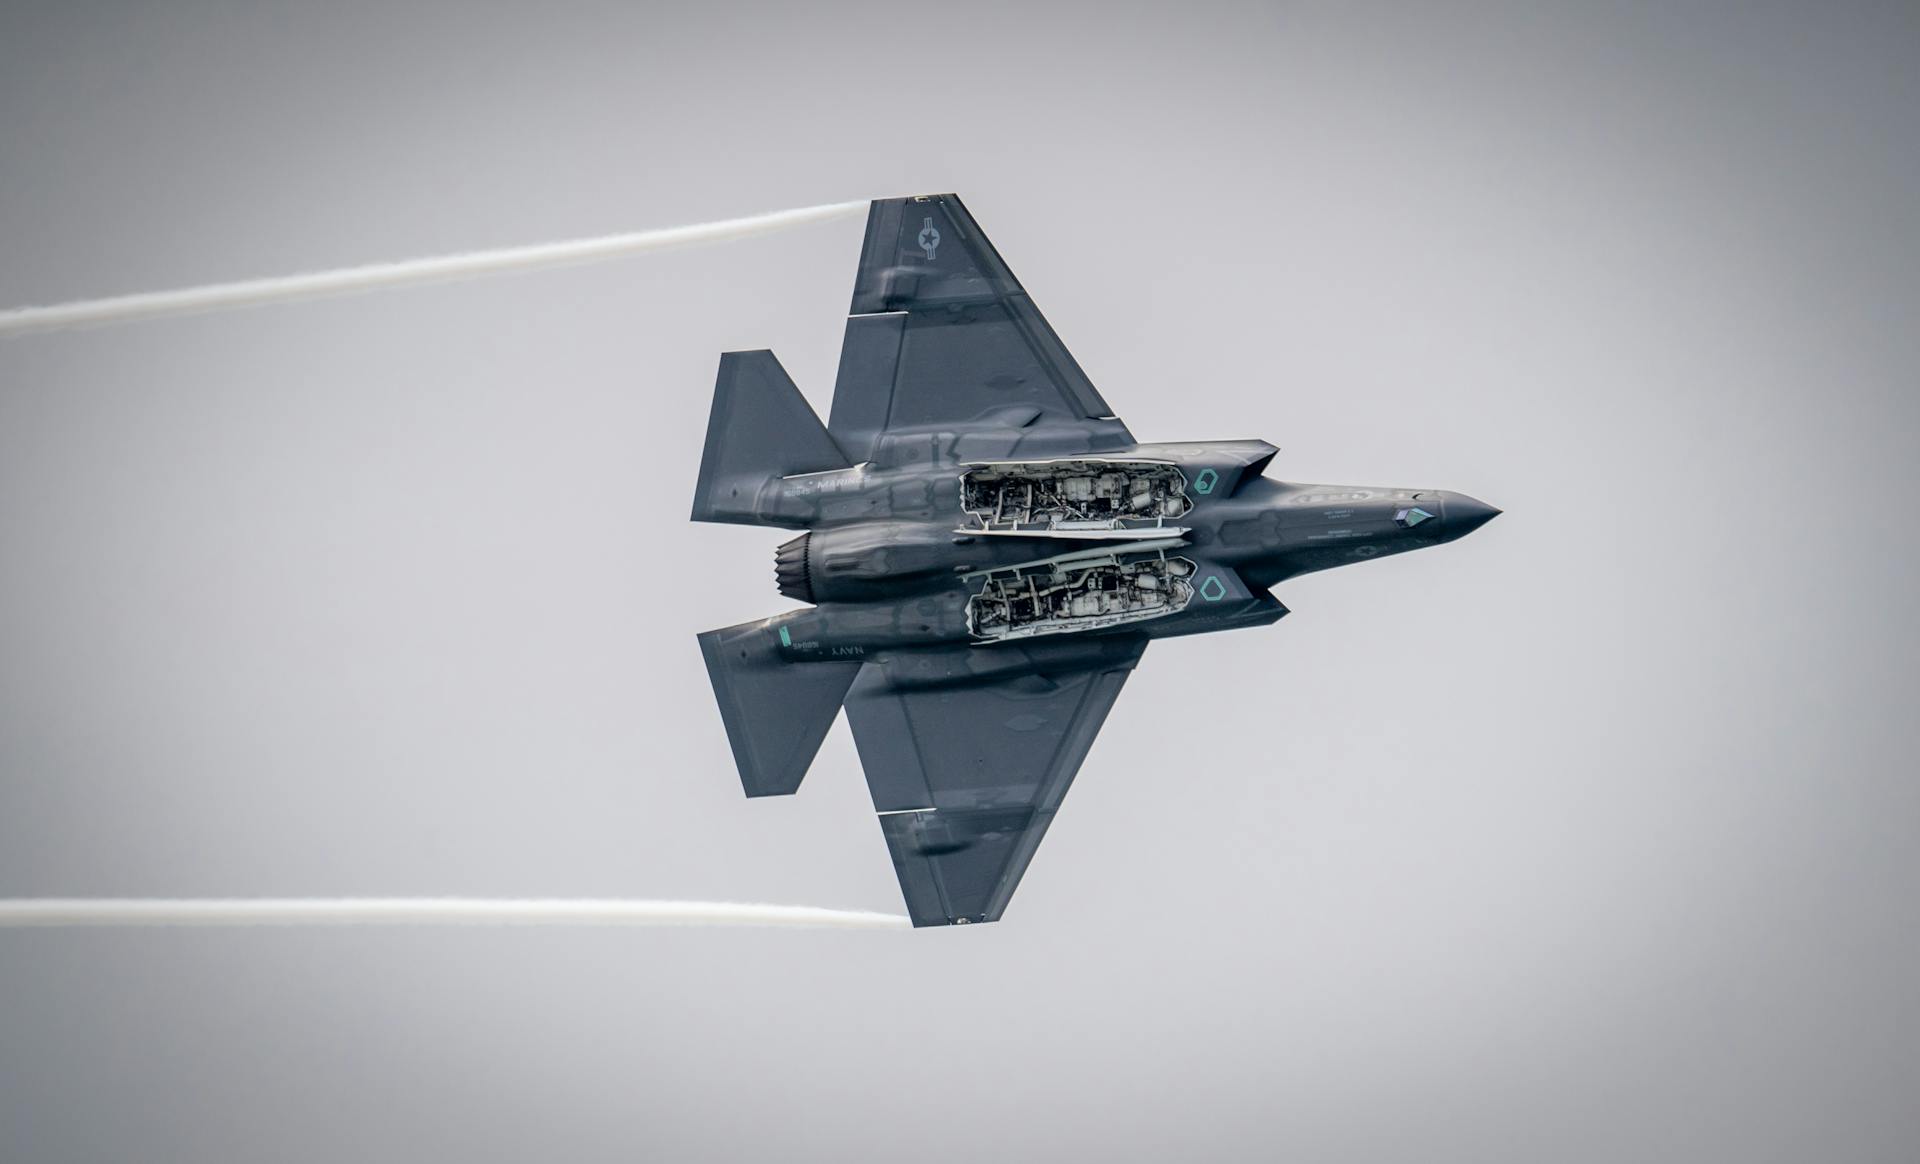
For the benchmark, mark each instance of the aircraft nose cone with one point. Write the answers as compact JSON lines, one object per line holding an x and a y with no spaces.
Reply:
{"x":1465,"y":514}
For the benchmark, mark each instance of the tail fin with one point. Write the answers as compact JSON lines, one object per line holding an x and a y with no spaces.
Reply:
{"x":776,"y":712}
{"x":760,"y":428}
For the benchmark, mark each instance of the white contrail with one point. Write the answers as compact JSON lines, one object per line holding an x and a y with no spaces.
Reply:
{"x":425,"y":911}
{"x":253,"y":292}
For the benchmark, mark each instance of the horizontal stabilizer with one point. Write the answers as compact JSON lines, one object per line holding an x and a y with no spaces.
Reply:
{"x":760,"y":429}
{"x":776,"y":712}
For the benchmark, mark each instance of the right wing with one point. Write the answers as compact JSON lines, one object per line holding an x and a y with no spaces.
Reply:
{"x":941,"y":333}
{"x":968,"y":754}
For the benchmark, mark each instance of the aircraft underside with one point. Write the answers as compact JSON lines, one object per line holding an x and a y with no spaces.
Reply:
{"x":985,"y":552}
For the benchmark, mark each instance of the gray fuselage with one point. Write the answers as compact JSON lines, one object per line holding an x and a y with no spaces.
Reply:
{"x":892,"y":558}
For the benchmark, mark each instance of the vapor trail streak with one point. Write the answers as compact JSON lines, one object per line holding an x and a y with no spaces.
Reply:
{"x":425,"y":911}
{"x":254,"y":292}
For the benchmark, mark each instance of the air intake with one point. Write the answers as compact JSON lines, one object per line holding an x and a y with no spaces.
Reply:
{"x":790,"y":570}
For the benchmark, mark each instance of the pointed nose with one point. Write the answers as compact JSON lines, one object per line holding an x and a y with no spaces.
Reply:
{"x":1462,"y":515}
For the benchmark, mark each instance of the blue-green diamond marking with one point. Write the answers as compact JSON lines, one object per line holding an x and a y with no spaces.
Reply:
{"x":786,"y":640}
{"x":1213,"y":590}
{"x":1204,"y":483}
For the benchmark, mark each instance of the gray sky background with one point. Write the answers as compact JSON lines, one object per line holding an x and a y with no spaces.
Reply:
{"x":1588,"y":838}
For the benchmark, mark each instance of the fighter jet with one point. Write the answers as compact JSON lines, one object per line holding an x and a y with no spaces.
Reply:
{"x":985,"y":553}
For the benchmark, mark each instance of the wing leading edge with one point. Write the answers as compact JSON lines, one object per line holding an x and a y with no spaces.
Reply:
{"x":941,"y":332}
{"x":969,"y":760}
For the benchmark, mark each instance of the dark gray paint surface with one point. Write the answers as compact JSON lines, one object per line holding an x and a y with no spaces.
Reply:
{"x":969,"y":741}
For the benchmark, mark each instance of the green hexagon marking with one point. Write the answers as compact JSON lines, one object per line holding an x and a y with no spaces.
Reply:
{"x":1213,"y":590}
{"x":1204,"y":483}
{"x":786,"y":640}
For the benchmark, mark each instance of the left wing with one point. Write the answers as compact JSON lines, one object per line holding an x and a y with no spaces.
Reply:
{"x":968,"y":754}
{"x":941,"y":332}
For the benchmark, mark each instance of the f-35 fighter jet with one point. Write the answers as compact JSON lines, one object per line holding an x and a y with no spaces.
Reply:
{"x":985,"y":552}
